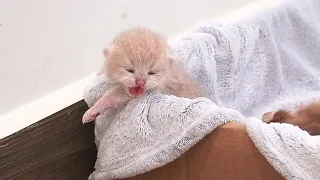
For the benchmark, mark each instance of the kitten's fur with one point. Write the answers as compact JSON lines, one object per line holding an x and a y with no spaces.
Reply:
{"x":139,"y":60}
{"x":307,"y":117}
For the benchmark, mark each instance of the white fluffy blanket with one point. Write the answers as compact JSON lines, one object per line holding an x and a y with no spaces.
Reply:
{"x":262,"y":63}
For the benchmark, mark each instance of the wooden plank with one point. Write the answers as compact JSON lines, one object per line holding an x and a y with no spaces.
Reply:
{"x":57,"y":147}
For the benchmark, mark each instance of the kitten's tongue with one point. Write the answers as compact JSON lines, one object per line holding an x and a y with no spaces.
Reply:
{"x":136,"y":91}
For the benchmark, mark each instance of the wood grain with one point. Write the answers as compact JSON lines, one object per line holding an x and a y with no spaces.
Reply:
{"x":57,"y":147}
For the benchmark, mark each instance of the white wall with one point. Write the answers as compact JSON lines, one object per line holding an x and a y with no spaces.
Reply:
{"x":47,"y":44}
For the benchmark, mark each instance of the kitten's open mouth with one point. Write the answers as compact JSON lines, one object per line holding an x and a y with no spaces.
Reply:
{"x":136,"y":91}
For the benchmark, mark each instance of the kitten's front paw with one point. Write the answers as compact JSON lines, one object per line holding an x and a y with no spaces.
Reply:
{"x":89,"y":116}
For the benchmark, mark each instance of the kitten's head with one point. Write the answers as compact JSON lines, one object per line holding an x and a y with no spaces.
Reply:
{"x":139,"y":59}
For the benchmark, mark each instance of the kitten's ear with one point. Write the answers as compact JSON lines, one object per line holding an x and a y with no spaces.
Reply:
{"x":106,"y":50}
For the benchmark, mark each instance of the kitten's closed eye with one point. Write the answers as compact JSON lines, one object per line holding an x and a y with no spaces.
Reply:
{"x":130,"y":70}
{"x":151,"y":73}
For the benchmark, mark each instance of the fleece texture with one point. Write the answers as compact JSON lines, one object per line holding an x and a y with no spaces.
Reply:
{"x":264,"y":62}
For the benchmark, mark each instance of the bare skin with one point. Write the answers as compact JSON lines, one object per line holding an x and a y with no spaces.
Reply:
{"x":307,"y":117}
{"x":137,"y":61}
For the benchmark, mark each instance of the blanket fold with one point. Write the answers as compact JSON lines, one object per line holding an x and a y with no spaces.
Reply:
{"x":152,"y":131}
{"x":262,"y":63}
{"x":291,"y":151}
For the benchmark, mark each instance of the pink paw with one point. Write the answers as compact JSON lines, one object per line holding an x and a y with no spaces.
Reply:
{"x":267,"y":117}
{"x":89,"y":116}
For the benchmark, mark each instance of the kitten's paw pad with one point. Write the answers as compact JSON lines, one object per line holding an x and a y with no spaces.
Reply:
{"x":89,"y":116}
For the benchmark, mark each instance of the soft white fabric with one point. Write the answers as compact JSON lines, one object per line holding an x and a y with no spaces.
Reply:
{"x":291,"y":151}
{"x":262,"y":63}
{"x":151,"y":131}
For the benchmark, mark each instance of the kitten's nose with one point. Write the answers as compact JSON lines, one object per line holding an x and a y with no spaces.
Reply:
{"x":140,"y":82}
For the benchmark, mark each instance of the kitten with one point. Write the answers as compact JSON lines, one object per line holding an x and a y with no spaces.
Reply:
{"x":307,"y":117}
{"x":137,"y":61}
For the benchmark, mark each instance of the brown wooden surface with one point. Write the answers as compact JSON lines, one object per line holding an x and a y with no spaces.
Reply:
{"x":57,"y":147}
{"x":227,"y":153}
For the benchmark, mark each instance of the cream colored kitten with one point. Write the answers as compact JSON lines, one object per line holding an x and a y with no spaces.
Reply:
{"x":139,"y":60}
